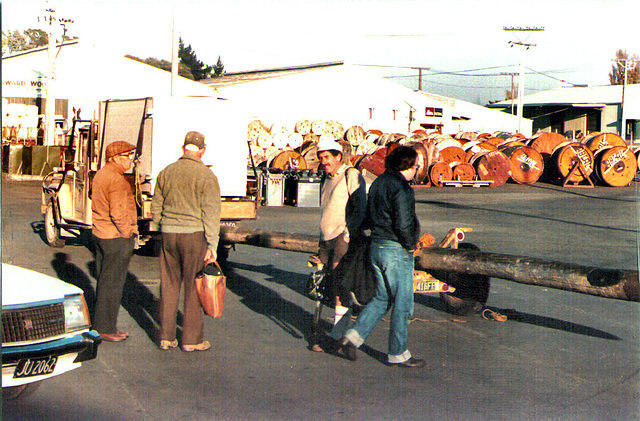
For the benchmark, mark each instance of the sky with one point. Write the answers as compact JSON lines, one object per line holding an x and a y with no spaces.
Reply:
{"x":389,"y":37}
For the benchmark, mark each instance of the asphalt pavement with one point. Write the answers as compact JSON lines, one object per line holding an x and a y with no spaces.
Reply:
{"x":561,"y":355}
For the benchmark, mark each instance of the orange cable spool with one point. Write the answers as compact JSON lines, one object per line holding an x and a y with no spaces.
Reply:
{"x":567,"y":156}
{"x":527,"y":164}
{"x":453,"y":154}
{"x":289,"y":159}
{"x":493,"y":166}
{"x":615,"y":166}
{"x":599,"y":141}
{"x":439,"y":172}
{"x":463,"y":172}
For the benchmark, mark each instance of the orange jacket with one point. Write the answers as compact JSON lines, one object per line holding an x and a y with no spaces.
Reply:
{"x":113,"y":207}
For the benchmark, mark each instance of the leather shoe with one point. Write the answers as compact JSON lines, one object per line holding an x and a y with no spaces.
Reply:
{"x":113,"y":337}
{"x":410,"y":363}
{"x":347,"y":350}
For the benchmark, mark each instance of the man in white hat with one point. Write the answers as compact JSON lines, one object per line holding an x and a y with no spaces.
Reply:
{"x":343,"y":203}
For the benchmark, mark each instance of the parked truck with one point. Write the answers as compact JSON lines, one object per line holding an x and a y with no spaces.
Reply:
{"x":157,"y":127}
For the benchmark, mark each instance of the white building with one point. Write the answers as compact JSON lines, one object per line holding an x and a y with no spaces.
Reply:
{"x":584,"y":109}
{"x":85,"y":75}
{"x":354,"y":96}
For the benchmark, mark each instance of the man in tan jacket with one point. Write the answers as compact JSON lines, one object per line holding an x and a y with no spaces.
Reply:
{"x":115,"y":227}
{"x":186,"y":209}
{"x":343,"y":203}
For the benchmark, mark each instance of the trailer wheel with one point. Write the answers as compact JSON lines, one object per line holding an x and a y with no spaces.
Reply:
{"x":472,"y":291}
{"x":51,"y":230}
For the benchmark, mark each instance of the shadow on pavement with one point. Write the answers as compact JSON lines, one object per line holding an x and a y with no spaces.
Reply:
{"x":517,"y":316}
{"x":84,"y":239}
{"x":290,"y":317}
{"x":72,"y":274}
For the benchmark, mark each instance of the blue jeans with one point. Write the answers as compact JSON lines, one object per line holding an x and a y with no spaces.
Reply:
{"x":391,"y":262}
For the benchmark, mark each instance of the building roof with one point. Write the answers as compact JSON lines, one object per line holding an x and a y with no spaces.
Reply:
{"x":252,"y":75}
{"x":577,"y":96}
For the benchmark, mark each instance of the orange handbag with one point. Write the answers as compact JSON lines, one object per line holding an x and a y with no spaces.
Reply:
{"x":210,"y":285}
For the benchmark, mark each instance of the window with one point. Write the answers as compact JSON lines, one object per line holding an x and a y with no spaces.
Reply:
{"x":432,"y":112}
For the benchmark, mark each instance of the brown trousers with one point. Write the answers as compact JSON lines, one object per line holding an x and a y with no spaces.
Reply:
{"x":182,"y":257}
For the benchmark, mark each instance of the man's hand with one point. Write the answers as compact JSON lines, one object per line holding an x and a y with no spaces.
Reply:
{"x":210,"y":256}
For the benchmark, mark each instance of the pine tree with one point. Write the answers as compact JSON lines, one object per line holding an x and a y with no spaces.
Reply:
{"x":187,"y":56}
{"x":218,"y":69}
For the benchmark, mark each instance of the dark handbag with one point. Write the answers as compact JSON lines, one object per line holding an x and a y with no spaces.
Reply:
{"x":210,"y":286}
{"x":317,"y":287}
{"x":355,"y":272}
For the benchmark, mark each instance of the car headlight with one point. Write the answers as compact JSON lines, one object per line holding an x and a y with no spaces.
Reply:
{"x":76,"y":313}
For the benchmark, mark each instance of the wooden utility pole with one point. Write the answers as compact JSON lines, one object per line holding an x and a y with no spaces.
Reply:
{"x":610,"y":283}
{"x":420,"y":69}
{"x":511,"y":92}
{"x":55,"y":27}
{"x":525,"y":46}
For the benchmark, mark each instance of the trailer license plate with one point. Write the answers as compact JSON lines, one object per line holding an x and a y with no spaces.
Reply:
{"x":35,"y":366}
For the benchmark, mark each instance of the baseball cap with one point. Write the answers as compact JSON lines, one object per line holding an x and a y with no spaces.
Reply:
{"x":193,"y":141}
{"x":328,"y":143}
{"x":118,"y":147}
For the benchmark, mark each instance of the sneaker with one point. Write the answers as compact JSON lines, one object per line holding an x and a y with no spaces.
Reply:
{"x":165,"y":344}
{"x":202,"y":346}
{"x":410,"y":363}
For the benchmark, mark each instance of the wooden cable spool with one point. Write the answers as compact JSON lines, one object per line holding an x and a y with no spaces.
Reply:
{"x":447,"y":142}
{"x":511,"y":142}
{"x":463,"y":171}
{"x":527,"y":164}
{"x":318,"y":127}
{"x":492,"y":166}
{"x":567,"y":156}
{"x":495,"y":141}
{"x":439,"y":172}
{"x":303,"y":127}
{"x":599,"y":141}
{"x":372,"y":163}
{"x":422,"y":175}
{"x":453,"y":154}
{"x":355,"y":135}
{"x":309,"y":152}
{"x":615,"y":166}
{"x":286,"y":160}
{"x":546,"y":143}
{"x":478,"y":148}
{"x":347,"y":151}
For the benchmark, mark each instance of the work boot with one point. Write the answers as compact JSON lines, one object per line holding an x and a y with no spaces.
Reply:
{"x":346,"y":349}
{"x":410,"y":363}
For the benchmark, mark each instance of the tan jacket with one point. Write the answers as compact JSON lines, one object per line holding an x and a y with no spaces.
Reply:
{"x":334,"y":194}
{"x":113,"y":207}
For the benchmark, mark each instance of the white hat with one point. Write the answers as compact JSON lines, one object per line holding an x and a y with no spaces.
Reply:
{"x":328,"y":143}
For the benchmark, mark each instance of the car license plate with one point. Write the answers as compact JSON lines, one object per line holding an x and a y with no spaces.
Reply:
{"x":35,"y":366}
